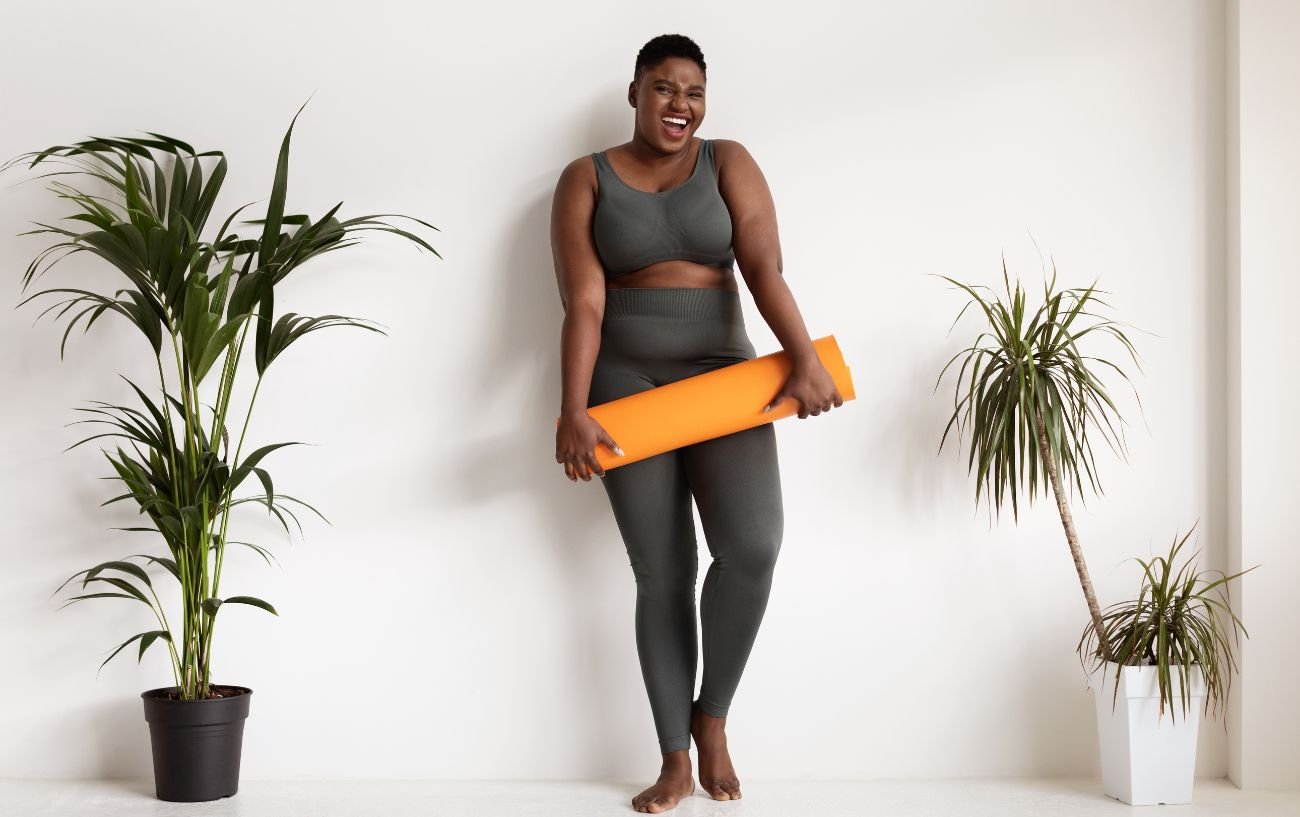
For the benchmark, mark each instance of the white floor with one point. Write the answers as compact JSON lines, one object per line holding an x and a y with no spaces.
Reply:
{"x":1046,"y":797}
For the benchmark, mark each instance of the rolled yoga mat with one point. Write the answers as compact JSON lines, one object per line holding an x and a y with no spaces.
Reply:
{"x":707,"y":405}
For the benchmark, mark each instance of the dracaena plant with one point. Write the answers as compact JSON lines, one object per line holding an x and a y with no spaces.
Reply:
{"x":196,"y":301}
{"x":1175,"y":622}
{"x":1029,"y":398}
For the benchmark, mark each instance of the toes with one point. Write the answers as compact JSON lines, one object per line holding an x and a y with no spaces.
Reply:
{"x":729,"y":790}
{"x":654,"y":804}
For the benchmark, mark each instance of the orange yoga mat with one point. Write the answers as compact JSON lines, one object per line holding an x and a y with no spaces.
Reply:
{"x":707,"y":405}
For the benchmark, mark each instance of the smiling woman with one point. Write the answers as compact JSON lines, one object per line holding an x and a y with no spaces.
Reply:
{"x":678,"y":119}
{"x":645,"y":237}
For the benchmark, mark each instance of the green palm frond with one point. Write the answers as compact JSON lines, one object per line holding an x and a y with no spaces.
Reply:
{"x":1029,"y":399}
{"x":1176,"y":622}
{"x":143,"y":205}
{"x":1026,"y":368}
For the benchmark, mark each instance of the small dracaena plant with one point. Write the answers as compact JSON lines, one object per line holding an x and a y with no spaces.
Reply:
{"x":1174,"y":624}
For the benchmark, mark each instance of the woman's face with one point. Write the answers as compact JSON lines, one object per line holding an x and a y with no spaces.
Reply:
{"x":673,"y":89}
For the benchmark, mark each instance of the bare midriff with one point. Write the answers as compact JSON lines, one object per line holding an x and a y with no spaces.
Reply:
{"x":677,"y":273}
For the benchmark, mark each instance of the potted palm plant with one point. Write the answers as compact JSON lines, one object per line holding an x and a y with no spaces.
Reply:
{"x":1029,"y":397}
{"x":1170,"y":637}
{"x":197,"y":302}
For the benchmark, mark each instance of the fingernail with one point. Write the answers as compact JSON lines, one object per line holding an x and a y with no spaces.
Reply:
{"x":618,"y":451}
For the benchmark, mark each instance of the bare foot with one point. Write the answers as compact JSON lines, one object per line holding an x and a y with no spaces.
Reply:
{"x":674,"y":783}
{"x":717,"y":775}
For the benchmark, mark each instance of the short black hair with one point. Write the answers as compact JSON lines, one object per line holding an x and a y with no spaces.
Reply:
{"x":665,"y":46}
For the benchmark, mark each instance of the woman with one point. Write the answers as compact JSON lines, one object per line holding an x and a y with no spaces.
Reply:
{"x":644,"y":237}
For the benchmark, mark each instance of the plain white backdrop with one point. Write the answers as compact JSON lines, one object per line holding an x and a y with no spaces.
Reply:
{"x":469,"y":612}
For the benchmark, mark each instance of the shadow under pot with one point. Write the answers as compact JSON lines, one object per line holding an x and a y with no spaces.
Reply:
{"x":196,"y":744}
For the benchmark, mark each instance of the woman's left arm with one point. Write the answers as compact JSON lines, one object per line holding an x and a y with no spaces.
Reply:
{"x":758,"y":254}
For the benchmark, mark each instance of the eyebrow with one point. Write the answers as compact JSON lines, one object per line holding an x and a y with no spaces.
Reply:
{"x":670,"y":82}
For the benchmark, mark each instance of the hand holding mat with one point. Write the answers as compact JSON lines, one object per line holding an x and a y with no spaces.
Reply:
{"x":707,"y":405}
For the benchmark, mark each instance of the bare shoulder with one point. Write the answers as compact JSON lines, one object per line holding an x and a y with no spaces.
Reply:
{"x":578,"y":172}
{"x":726,"y":149}
{"x":735,"y":165}
{"x":733,"y":158}
{"x":727,"y":145}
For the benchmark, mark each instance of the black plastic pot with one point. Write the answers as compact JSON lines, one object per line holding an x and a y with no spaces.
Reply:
{"x":196,"y":744}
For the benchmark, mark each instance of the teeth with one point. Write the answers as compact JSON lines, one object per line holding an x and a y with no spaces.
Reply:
{"x":675,"y":120}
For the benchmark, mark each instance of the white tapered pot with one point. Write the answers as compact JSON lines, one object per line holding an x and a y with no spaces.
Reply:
{"x":1146,"y":758}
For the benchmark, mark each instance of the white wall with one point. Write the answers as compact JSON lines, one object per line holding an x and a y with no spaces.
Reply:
{"x":469,"y":613}
{"x":1264,"y":174}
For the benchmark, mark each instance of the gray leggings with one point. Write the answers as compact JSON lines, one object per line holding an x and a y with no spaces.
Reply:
{"x":656,"y":335}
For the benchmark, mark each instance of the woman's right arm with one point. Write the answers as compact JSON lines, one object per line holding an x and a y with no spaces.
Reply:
{"x":581,"y":280}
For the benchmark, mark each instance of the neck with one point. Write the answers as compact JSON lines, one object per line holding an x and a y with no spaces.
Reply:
{"x":647,"y":153}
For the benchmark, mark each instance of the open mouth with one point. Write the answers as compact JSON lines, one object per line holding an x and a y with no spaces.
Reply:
{"x":675,"y":125}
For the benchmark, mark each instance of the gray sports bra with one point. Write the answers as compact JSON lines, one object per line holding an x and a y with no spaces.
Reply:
{"x":633,"y":228}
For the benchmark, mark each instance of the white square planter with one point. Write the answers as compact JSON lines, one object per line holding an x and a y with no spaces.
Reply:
{"x":1146,"y":758}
